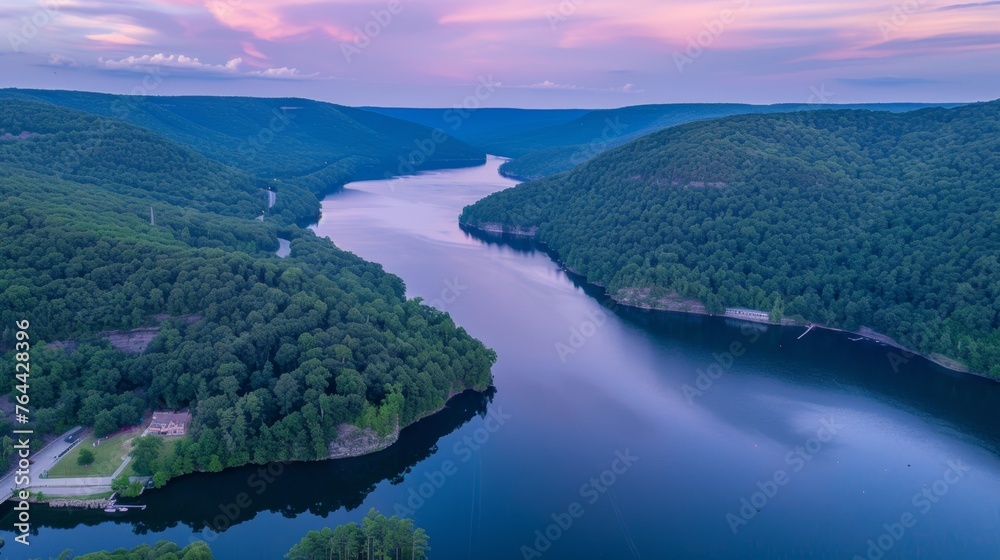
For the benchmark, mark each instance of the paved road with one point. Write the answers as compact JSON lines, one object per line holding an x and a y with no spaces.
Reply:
{"x":44,"y":459}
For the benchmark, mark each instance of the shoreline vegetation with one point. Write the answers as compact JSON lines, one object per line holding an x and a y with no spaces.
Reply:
{"x":352,"y":441}
{"x":640,"y":298}
{"x":386,"y":537}
{"x":355,"y":441}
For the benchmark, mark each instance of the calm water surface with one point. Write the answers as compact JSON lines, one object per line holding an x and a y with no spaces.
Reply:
{"x":611,"y":433}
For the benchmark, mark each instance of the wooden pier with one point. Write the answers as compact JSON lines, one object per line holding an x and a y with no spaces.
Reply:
{"x":114,"y":507}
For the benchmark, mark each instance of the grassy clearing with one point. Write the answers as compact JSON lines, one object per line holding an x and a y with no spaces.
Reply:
{"x":107,"y":457}
{"x":56,"y":496}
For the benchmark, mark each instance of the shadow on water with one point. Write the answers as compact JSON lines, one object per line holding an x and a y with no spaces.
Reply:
{"x":830,"y":360}
{"x":823,"y":358}
{"x":217,"y":501}
{"x":518,"y":243}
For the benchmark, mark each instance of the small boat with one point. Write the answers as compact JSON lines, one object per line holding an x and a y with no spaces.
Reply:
{"x":122,"y":509}
{"x":110,"y":509}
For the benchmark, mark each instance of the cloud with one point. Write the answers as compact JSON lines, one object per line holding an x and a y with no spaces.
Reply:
{"x":284,"y":73}
{"x":251,"y":50}
{"x":589,"y":55}
{"x":145,"y":62}
{"x":277,"y":21}
{"x":194,"y":66}
{"x":940,"y":43}
{"x":627,"y":88}
{"x":885,"y":81}
{"x":115,"y":39}
{"x":56,"y":59}
{"x":550,"y":85}
{"x":965,"y":6}
{"x":494,"y":13}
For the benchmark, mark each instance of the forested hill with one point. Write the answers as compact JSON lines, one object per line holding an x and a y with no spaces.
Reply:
{"x":485,"y":129}
{"x":113,"y":155}
{"x":544,"y":142}
{"x":846,"y":218}
{"x":294,"y":143}
{"x":269,"y":354}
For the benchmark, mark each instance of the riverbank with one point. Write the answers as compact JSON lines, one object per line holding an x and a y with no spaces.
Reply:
{"x":639,"y":298}
{"x":514,"y":177}
{"x":694,"y":307}
{"x":92,"y":500}
{"x":354,"y":441}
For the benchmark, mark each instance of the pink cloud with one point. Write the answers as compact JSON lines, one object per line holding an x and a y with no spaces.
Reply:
{"x":272,"y":21}
{"x":251,"y":50}
{"x":563,"y":49}
{"x":493,"y":13}
{"x":115,"y":39}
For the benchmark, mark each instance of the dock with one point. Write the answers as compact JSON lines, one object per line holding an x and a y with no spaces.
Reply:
{"x":805,"y":333}
{"x":113,"y":506}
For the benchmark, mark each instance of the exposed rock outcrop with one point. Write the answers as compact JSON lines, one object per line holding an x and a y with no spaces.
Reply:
{"x":353,"y":441}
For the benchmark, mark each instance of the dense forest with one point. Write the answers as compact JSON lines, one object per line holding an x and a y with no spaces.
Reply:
{"x":845,"y":218}
{"x":162,"y":550}
{"x":269,"y":354}
{"x":544,"y":142}
{"x":303,"y":149}
{"x":377,"y":537}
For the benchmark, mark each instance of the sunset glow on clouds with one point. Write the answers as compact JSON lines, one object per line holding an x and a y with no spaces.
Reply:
{"x":545,"y":53}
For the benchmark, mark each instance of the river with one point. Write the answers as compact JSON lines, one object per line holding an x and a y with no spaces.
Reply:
{"x":612,"y":433}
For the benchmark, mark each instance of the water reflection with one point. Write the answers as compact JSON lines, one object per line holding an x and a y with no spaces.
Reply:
{"x":823,"y":359}
{"x":219,"y":501}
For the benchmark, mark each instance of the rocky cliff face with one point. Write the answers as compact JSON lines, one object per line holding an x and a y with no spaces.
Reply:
{"x":353,"y":441}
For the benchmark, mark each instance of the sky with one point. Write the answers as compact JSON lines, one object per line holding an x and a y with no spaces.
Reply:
{"x":510,"y":53}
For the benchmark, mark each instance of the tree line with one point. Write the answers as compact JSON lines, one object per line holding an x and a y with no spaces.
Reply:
{"x":376,"y":537}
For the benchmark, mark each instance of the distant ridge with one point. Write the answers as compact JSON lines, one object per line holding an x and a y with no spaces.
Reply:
{"x":296,"y":144}
{"x":544,"y":142}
